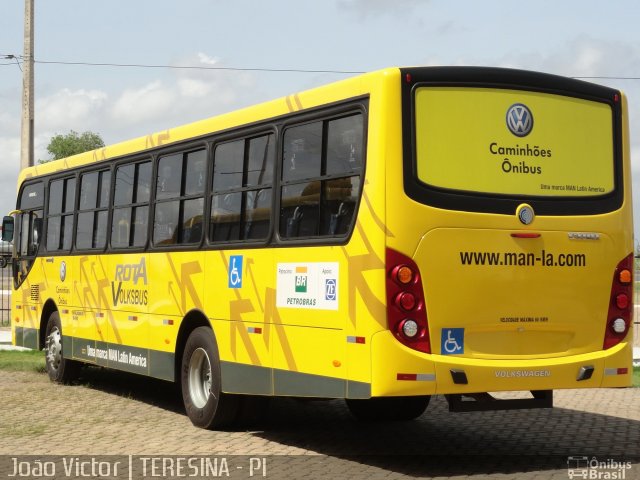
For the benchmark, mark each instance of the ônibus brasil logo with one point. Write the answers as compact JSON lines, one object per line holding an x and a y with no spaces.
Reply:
{"x":519,"y":120}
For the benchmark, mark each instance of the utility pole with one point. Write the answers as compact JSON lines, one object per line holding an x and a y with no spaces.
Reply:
{"x":26,"y":157}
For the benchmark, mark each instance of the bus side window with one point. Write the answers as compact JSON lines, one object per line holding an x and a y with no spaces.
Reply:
{"x":339,"y":202}
{"x":130,"y":220}
{"x":61,"y":211}
{"x":344,"y":145}
{"x":321,"y":184}
{"x":179,"y":206}
{"x":302,"y":152}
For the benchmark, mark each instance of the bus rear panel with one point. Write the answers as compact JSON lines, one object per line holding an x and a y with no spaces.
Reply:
{"x":515,"y":231}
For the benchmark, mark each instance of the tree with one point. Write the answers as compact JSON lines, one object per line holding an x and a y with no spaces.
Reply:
{"x":62,"y":146}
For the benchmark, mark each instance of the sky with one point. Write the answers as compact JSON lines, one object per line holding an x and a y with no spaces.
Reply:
{"x":576,"y":38}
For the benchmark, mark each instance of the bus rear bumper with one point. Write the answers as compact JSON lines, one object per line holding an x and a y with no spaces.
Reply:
{"x":398,"y":370}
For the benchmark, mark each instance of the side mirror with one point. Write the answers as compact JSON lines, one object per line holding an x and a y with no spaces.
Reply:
{"x":7,"y":229}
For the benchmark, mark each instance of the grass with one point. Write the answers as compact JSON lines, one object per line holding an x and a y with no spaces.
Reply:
{"x":22,"y":361}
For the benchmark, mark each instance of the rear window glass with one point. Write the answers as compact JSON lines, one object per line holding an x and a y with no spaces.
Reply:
{"x":513,"y":142}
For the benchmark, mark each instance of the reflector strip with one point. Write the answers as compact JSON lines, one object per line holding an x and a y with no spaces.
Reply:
{"x":417,"y":377}
{"x":360,"y":340}
{"x":254,"y":330}
{"x":167,"y":321}
{"x":616,"y":371}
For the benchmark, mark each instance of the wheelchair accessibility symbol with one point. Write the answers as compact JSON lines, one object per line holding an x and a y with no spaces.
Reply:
{"x":452,"y":341}
{"x":235,"y":271}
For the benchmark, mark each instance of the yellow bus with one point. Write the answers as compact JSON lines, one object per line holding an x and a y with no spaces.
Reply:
{"x":389,"y":237}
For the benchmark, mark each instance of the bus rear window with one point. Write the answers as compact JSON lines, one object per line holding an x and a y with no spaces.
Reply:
{"x":513,"y":142}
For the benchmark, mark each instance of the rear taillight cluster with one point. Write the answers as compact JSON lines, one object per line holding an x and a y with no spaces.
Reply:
{"x":620,"y":304}
{"x":406,"y":310}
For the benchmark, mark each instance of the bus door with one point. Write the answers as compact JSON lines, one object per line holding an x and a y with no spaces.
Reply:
{"x":27,"y":238}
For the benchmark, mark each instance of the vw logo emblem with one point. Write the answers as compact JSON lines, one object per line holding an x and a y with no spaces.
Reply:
{"x":525,"y":214}
{"x":519,"y":120}
{"x":63,"y":271}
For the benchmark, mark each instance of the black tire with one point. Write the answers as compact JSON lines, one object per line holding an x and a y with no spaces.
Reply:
{"x":3,"y":262}
{"x":60,"y":369}
{"x":200,"y":377}
{"x":388,"y":409}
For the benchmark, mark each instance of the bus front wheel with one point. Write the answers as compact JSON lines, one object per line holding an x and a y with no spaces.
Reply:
{"x":206,"y":405}
{"x":60,"y":369}
{"x":387,"y":409}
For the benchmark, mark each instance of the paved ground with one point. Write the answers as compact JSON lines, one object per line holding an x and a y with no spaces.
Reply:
{"x":111,"y":413}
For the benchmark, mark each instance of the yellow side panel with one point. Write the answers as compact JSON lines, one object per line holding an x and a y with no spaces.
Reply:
{"x":317,"y":351}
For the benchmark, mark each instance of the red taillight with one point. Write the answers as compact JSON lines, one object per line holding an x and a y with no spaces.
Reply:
{"x":406,"y":301}
{"x":620,"y":304}
{"x":406,"y":310}
{"x":622,"y":301}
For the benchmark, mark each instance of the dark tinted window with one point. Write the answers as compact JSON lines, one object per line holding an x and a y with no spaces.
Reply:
{"x":32,"y":196}
{"x":91,"y":227}
{"x":241,"y":203}
{"x":228,"y":163}
{"x":88,"y":190}
{"x":56,"y":192}
{"x":321,"y":183}
{"x":179,"y":210}
{"x":169,"y":176}
{"x":302,"y":151}
{"x":344,"y":145}
{"x":61,"y":209}
{"x":260,"y":161}
{"x":125,"y":176}
{"x":130,"y":221}
{"x":196,"y":175}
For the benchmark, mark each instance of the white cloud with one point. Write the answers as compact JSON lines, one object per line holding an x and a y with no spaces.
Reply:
{"x":9,"y":162}
{"x":584,"y":56}
{"x":180,"y":97}
{"x":186,"y":95}
{"x":69,"y":110}
{"x":366,"y":8}
{"x":193,"y":87}
{"x":206,"y":59}
{"x":136,"y":105}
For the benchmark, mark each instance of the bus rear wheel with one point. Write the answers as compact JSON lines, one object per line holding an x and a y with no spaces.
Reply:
{"x":206,"y":405}
{"x":388,"y":409}
{"x":60,"y":369}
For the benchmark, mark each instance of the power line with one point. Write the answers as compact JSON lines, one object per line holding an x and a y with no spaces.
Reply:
{"x":607,"y":78}
{"x":191,"y":67}
{"x":11,"y":57}
{"x":18,"y":60}
{"x":277,"y":70}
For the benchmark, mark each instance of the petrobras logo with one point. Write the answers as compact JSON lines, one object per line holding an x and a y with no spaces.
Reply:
{"x":519,"y":120}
